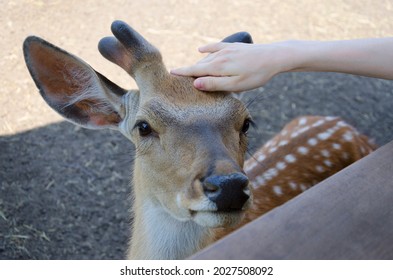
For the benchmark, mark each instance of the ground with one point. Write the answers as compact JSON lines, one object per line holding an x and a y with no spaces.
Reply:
{"x":64,"y":191}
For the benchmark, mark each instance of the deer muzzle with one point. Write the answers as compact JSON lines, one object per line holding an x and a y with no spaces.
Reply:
{"x":228,"y":192}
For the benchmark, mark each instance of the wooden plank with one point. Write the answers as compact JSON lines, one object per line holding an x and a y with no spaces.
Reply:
{"x":347,"y":216}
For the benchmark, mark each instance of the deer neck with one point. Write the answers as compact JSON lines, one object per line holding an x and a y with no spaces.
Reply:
{"x":158,"y":235}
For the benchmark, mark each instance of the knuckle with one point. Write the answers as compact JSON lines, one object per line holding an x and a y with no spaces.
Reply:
{"x":223,"y":59}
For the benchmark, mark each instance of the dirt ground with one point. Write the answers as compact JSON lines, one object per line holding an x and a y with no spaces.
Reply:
{"x":64,"y":191}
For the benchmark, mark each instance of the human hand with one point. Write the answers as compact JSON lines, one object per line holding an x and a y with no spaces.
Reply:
{"x":236,"y":66}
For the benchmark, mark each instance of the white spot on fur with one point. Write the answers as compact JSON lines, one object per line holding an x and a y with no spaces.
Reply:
{"x":303,"y":187}
{"x":302,"y":150}
{"x":277,"y":190}
{"x":293,"y":185}
{"x":302,"y":121}
{"x":283,"y":143}
{"x":249,"y":167}
{"x":261,"y":157}
{"x":295,"y":134}
{"x":324,"y":135}
{"x":272,"y":150}
{"x":330,"y":118}
{"x":261,"y":181}
{"x":281,"y":165}
{"x":303,"y":129}
{"x":336,"y":146}
{"x":348,"y":136}
{"x":250,"y":164}
{"x":270,"y":173}
{"x":318,"y":123}
{"x":319,"y":168}
{"x":268,"y":144}
{"x":312,"y":141}
{"x":290,"y":158}
{"x":325,"y":153}
{"x":328,"y":163}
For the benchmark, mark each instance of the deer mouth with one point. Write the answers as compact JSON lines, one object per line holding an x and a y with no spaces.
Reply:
{"x":217,"y":212}
{"x":216,"y":206}
{"x":217,"y":218}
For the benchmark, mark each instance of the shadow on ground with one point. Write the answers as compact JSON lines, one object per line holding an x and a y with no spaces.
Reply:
{"x":64,"y":194}
{"x":64,"y":191}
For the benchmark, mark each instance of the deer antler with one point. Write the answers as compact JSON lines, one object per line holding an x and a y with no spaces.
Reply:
{"x":132,"y":52}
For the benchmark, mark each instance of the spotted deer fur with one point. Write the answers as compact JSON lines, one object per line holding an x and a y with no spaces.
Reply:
{"x":188,"y":180}
{"x":306,"y":151}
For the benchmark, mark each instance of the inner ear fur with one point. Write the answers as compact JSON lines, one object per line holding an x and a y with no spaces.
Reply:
{"x":71,"y":87}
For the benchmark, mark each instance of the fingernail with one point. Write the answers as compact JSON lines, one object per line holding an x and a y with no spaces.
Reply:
{"x":198,"y":84}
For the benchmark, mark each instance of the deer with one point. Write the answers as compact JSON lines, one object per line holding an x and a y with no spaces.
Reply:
{"x":191,"y":182}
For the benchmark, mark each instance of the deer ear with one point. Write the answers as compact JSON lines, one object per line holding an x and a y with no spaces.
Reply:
{"x":239,"y":37}
{"x":71,"y":87}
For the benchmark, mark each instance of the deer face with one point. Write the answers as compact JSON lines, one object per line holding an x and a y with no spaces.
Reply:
{"x":190,"y":145}
{"x":189,"y":153}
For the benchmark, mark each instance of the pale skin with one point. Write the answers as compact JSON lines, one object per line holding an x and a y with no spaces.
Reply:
{"x":239,"y":67}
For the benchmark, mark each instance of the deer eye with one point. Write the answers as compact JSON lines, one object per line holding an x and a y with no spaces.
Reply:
{"x":246,"y":126}
{"x":144,"y":128}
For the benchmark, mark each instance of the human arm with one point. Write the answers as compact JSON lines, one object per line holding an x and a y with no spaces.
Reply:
{"x":239,"y":67}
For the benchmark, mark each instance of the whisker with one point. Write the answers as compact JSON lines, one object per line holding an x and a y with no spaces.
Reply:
{"x":256,"y":160}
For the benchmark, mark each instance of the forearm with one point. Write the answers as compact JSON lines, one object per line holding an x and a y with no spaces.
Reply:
{"x":240,"y":67}
{"x":366,"y":57}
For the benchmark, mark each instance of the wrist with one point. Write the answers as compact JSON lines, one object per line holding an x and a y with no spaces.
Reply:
{"x":291,"y":55}
{"x":299,"y":55}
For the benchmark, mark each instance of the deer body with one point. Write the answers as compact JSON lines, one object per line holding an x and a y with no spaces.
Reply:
{"x":188,"y":181}
{"x":306,"y":151}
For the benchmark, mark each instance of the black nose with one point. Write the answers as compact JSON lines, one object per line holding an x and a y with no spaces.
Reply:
{"x":227,"y":191}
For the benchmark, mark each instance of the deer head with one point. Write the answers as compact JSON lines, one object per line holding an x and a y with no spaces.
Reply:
{"x":189,"y":145}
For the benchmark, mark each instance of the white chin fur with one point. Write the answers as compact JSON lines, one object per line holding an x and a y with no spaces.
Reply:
{"x":218,"y":219}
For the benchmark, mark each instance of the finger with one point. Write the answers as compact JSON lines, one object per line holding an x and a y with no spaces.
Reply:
{"x":211,"y":48}
{"x":196,"y":70}
{"x":215,"y":83}
{"x":207,"y":59}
